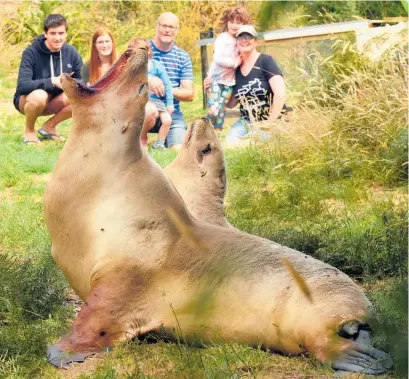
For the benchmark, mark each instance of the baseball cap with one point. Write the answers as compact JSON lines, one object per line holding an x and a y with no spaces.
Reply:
{"x":247,"y":29}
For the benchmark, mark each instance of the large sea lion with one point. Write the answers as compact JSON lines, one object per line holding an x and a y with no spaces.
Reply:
{"x":116,"y":222}
{"x":199,"y":173}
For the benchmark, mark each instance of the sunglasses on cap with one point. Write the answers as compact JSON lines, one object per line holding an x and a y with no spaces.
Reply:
{"x":245,"y":37}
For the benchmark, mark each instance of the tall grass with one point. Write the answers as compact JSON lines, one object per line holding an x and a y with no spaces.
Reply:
{"x":369,"y":101}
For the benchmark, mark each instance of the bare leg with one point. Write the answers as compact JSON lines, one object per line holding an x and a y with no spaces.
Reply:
{"x":60,"y":107}
{"x":166,"y":121}
{"x":151,"y":114}
{"x":33,"y":106}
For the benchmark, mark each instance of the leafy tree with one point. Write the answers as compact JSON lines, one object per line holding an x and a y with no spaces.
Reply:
{"x":324,"y":12}
{"x":271,"y":11}
{"x":380,"y":9}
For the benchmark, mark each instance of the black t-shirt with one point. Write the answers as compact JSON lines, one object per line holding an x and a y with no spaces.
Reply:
{"x":253,"y":91}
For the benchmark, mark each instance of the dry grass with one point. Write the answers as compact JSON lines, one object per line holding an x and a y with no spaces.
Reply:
{"x":6,"y":48}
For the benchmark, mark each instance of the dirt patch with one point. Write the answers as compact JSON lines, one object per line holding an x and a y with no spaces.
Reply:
{"x":7,"y":107}
{"x":8,"y":195}
{"x":74,"y":300}
{"x":398,"y":197}
{"x":334,"y":207}
{"x":41,"y":178}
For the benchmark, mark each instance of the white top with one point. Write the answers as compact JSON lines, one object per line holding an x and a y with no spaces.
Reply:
{"x":222,"y":70}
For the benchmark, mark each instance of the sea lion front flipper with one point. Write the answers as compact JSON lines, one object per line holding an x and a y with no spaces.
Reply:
{"x":97,"y":327}
{"x":63,"y":359}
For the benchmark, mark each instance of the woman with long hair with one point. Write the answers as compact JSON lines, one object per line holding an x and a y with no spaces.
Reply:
{"x":102,"y":56}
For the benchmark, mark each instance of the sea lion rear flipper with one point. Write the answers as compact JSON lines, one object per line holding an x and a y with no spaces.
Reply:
{"x":361,"y":356}
{"x":357,"y":353}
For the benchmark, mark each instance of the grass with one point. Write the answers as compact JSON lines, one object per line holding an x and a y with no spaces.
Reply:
{"x":332,"y":183}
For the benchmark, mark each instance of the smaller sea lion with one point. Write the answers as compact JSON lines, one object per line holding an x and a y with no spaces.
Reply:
{"x":199,"y":173}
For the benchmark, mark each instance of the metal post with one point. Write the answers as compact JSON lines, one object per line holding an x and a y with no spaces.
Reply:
{"x":204,"y":62}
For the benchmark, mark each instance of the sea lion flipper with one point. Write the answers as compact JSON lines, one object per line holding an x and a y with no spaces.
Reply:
{"x":95,"y":329}
{"x":63,"y":359}
{"x":361,"y":356}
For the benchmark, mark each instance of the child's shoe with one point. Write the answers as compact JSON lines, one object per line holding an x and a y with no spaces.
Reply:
{"x":159,"y":145}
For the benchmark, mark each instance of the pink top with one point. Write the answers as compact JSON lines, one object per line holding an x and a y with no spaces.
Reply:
{"x":222,"y":69}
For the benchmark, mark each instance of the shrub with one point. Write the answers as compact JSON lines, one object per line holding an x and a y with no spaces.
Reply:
{"x":31,"y":312}
{"x":391,"y":327}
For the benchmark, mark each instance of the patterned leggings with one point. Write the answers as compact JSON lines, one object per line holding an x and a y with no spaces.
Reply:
{"x":218,"y":96}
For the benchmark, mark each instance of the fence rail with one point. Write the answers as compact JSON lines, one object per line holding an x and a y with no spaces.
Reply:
{"x":293,"y":42}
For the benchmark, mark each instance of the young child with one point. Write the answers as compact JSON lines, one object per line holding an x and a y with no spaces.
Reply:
{"x":157,"y":105}
{"x":223,"y":67}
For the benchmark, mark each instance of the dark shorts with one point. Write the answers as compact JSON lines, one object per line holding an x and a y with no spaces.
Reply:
{"x":16,"y":102}
{"x":176,"y":135}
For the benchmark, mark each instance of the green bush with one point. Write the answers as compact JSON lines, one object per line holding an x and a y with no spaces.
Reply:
{"x":391,"y":325}
{"x":31,"y":297}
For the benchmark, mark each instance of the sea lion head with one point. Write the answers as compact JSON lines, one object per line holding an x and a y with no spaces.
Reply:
{"x":202,"y":150}
{"x":200,"y":162}
{"x":118,"y":98}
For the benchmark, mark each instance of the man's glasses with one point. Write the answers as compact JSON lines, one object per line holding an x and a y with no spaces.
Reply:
{"x":102,"y":42}
{"x":170,"y":27}
{"x":245,"y":37}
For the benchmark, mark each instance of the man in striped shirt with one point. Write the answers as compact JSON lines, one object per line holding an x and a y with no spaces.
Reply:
{"x":178,"y":65}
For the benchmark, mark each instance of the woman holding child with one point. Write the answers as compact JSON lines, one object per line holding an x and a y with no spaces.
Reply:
{"x":259,"y":89}
{"x":225,"y":61}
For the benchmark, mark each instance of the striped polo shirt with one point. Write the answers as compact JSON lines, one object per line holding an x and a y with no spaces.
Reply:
{"x":178,"y":66}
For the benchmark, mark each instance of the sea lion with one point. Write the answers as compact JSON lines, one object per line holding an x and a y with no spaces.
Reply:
{"x":199,"y":174}
{"x":128,"y":246}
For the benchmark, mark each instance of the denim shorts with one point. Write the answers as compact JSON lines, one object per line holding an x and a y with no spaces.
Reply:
{"x":176,"y":135}
{"x":240,"y":129}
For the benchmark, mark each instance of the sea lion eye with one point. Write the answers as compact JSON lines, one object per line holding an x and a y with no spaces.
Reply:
{"x":207,"y":150}
{"x":143,"y":88}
